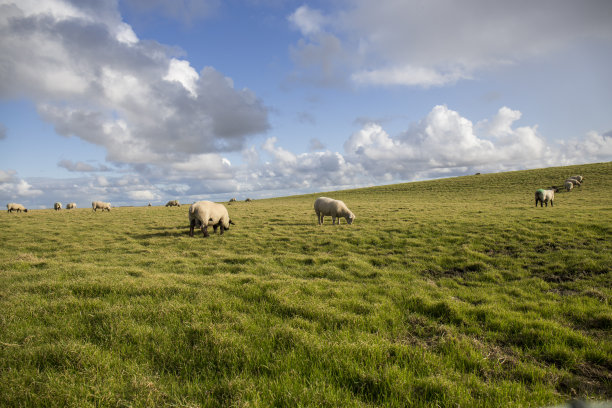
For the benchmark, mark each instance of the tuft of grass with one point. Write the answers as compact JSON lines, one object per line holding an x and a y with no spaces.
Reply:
{"x":452,"y":292}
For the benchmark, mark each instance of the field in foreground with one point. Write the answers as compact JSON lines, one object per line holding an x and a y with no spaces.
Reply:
{"x":454,"y":292}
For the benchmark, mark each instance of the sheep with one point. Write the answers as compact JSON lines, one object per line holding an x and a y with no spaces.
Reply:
{"x":232,"y":200}
{"x":579,"y":178}
{"x":573,"y":181}
{"x":335,"y":208}
{"x":70,"y":206}
{"x":10,"y":207}
{"x":569,"y":185}
{"x":544,"y":196}
{"x":205,"y":213}
{"x":57,"y":206}
{"x":248,"y":200}
{"x":173,"y":203}
{"x":101,"y":205}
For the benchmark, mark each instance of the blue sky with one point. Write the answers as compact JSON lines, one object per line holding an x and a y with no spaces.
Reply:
{"x":142,"y":101}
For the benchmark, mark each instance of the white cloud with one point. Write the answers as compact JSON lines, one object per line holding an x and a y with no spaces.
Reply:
{"x":12,"y":187}
{"x":91,"y":77}
{"x":143,"y":195}
{"x":181,"y":71}
{"x":407,"y":75}
{"x":435,"y":43}
{"x":7,"y":175}
{"x":309,"y":21}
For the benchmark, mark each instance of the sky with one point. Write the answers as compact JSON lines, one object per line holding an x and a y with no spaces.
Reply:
{"x":144,"y":101}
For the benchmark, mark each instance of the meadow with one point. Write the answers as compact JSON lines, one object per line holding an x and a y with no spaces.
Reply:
{"x":456,"y":292}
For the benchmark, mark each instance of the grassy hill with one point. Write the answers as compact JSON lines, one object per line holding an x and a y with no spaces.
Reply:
{"x":452,"y":292}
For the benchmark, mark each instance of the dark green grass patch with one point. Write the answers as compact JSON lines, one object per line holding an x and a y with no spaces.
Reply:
{"x":454,"y":292}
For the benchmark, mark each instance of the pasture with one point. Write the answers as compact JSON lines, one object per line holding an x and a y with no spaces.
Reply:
{"x":452,"y":292}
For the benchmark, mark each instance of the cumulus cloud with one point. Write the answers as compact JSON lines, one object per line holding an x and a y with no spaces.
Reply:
{"x":93,"y":78}
{"x":12,"y":187}
{"x":442,"y":144}
{"x":309,"y":21}
{"x":439,"y":42}
{"x":594,"y":146}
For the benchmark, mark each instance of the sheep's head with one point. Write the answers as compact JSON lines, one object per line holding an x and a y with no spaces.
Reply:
{"x":350,"y":218}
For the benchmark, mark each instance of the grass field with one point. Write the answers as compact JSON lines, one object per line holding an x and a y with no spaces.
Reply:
{"x":453,"y":292}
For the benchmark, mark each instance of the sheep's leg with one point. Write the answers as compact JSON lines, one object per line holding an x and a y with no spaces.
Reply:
{"x":551,"y":203}
{"x":191,"y":227}
{"x":215,"y":228}
{"x":333,"y":220}
{"x":221,"y":229}
{"x":205,"y":230}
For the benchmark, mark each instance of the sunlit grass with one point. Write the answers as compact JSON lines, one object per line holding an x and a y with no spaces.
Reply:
{"x":448,"y":292}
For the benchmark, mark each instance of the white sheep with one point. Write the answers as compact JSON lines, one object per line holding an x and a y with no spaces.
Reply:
{"x":57,"y":206}
{"x":579,"y":178}
{"x":335,"y":208}
{"x":233,"y":200}
{"x":70,"y":206}
{"x":573,"y":181}
{"x":205,"y":213}
{"x":544,"y":196}
{"x":173,"y":203}
{"x":569,"y":185}
{"x":10,"y":207}
{"x":101,"y":205}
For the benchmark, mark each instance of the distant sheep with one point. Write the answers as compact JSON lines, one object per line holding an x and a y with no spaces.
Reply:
{"x":10,"y":207}
{"x":579,"y":178}
{"x":173,"y":203}
{"x":248,"y":200}
{"x":205,"y":213}
{"x":335,"y":208}
{"x":233,"y":200}
{"x":544,"y":196}
{"x":573,"y":181}
{"x":569,"y":185}
{"x":57,"y":206}
{"x":70,"y":206}
{"x":100,"y":205}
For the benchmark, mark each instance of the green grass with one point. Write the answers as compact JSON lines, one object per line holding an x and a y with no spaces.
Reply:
{"x":454,"y":292}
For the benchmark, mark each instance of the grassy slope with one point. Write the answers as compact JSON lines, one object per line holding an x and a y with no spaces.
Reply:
{"x":449,"y":292}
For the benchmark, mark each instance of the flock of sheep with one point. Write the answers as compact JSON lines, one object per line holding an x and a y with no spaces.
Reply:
{"x":203,"y":214}
{"x":544,"y":196}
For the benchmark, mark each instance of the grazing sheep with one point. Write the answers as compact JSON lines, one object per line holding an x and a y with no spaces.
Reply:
{"x":10,"y":207}
{"x":57,"y":206}
{"x":573,"y":181}
{"x":569,"y":185}
{"x":101,"y":205}
{"x":544,"y":196}
{"x":579,"y":178}
{"x":205,"y":213}
{"x":149,"y":205}
{"x":248,"y":200}
{"x":335,"y":208}
{"x":233,"y":200}
{"x":70,"y":206}
{"x":173,"y":203}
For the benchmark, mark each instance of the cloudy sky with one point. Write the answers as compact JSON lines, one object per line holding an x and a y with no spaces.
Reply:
{"x":137,"y":101}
